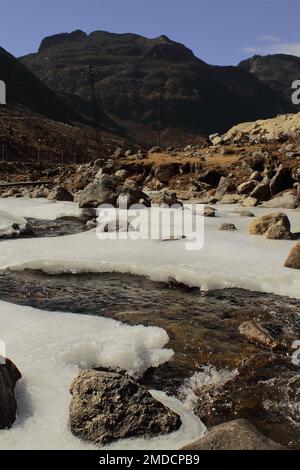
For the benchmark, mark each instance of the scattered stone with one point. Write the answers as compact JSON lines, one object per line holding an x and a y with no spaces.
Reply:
{"x":250,"y":202}
{"x":215,"y":139}
{"x":60,"y":194}
{"x":121,"y":175}
{"x":281,"y":181}
{"x":103,"y":191}
{"x":132,"y":197}
{"x":262,"y":191}
{"x":107,"y":406}
{"x":9,"y":375}
{"x":209,"y":212}
{"x":244,"y":213}
{"x":234,"y":435}
{"x":39,"y":193}
{"x":211,"y":177}
{"x":288,"y":200}
{"x":278,"y":232}
{"x":91,"y":224}
{"x":255,"y":176}
{"x":230,"y":199}
{"x":229,"y":227}
{"x":165,"y":197}
{"x":260,"y":225}
{"x":247,"y":187}
{"x":293,"y":259}
{"x":225,"y":186}
{"x":256,"y":333}
{"x":166,"y":171}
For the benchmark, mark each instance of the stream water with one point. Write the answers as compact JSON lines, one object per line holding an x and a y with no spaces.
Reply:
{"x":203,"y":331}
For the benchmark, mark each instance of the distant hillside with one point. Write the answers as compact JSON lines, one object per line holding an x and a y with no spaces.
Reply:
{"x":134,"y":72}
{"x":278,"y":71}
{"x":26,"y":90}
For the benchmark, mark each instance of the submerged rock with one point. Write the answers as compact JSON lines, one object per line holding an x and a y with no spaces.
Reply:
{"x":107,"y":406}
{"x":256,"y":333}
{"x":234,"y":435}
{"x":9,"y":375}
{"x":293,"y":260}
{"x":209,"y":212}
{"x":229,"y":227}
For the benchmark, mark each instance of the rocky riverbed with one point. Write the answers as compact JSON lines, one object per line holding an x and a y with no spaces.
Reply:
{"x":215,"y":369}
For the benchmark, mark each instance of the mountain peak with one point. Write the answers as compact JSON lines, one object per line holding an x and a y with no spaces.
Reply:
{"x":56,"y":39}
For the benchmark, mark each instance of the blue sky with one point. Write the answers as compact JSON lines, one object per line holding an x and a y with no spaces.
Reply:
{"x":218,"y":31}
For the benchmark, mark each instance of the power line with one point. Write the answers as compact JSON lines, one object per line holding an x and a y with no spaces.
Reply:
{"x":92,"y":73}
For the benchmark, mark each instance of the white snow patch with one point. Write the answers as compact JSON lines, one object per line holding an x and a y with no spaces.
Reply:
{"x":49,"y":347}
{"x":39,"y":208}
{"x":11,"y":224}
{"x":228,"y":259}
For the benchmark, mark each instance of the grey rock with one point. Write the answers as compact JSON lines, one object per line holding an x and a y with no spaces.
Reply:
{"x":247,"y":187}
{"x":288,"y":200}
{"x":293,"y":259}
{"x":107,"y":406}
{"x":234,"y":435}
{"x":60,"y":194}
{"x":165,"y":197}
{"x":261,"y":224}
{"x":228,"y":227}
{"x":9,"y":375}
{"x":262,"y":191}
{"x":258,"y":334}
{"x":103,"y":191}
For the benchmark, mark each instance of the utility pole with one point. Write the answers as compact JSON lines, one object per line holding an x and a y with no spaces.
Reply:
{"x":39,"y":151}
{"x":92,"y":75}
{"x":159,"y":123}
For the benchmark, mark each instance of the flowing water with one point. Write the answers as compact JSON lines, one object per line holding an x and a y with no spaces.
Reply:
{"x":203,"y":331}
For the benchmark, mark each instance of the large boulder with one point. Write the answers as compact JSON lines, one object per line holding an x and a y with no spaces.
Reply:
{"x":226,"y":185}
{"x":261,"y":224}
{"x":130,"y":196}
{"x":107,"y":406}
{"x":250,"y":202}
{"x":247,"y":187}
{"x":287,"y":200}
{"x":281,"y":180}
{"x":278,"y":232}
{"x":293,"y":260}
{"x":60,"y":194}
{"x":234,"y":435}
{"x":102,"y":191}
{"x":9,"y":375}
{"x":166,"y":171}
{"x":211,"y":177}
{"x":262,"y":191}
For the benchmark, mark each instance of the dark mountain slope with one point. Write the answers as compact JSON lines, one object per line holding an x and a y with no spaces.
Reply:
{"x":278,"y":71}
{"x":26,"y":90}
{"x":134,"y":72}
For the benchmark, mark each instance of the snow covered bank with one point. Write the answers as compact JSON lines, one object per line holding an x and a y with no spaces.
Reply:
{"x":228,"y":259}
{"x":11,"y":224}
{"x":49,"y":348}
{"x":39,"y":208}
